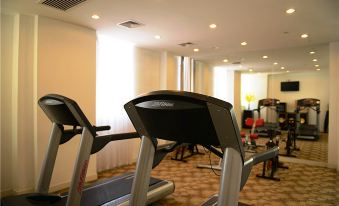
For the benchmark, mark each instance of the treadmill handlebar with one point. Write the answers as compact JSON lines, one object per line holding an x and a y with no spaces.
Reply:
{"x":102,"y":128}
{"x":70,"y":133}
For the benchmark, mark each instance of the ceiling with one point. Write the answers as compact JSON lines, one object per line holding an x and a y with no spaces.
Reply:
{"x":263,"y":24}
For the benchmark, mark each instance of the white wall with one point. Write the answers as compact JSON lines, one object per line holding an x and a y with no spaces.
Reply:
{"x":333,"y":135}
{"x":43,"y":56}
{"x":313,"y":84}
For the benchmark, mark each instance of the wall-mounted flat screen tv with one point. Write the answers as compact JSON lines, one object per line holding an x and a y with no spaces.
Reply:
{"x":289,"y":86}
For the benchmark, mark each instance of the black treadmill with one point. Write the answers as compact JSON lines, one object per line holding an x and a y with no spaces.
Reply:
{"x":63,"y":111}
{"x":305,"y":130}
{"x":186,"y":117}
{"x":271,"y":104}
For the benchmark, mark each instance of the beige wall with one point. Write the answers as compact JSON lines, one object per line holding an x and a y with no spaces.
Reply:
{"x":67,"y":66}
{"x":333,"y":136}
{"x":44,"y":56}
{"x":312,"y":85}
{"x":237,"y":96}
{"x":8,"y":26}
{"x":203,"y":78}
{"x":147,"y":70}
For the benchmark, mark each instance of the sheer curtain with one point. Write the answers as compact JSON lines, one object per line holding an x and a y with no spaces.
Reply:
{"x":115,"y":87}
{"x":223,"y":84}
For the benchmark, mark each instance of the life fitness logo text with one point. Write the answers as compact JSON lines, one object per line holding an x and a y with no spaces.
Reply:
{"x":162,"y":104}
{"x":82,"y":176}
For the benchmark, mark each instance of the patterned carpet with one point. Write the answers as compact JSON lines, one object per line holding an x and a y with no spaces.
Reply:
{"x":309,"y":149}
{"x":300,"y":184}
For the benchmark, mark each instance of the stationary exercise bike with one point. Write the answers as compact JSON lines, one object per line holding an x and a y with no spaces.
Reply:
{"x":271,"y":166}
{"x":291,"y":138}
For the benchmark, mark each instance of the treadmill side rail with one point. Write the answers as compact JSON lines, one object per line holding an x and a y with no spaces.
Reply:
{"x":49,"y":160}
{"x":230,"y":178}
{"x":143,"y":172}
{"x":80,"y":168}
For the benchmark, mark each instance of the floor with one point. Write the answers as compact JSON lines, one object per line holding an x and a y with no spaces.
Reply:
{"x":300,"y":184}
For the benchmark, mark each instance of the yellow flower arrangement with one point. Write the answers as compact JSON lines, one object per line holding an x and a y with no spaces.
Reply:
{"x":249,"y":98}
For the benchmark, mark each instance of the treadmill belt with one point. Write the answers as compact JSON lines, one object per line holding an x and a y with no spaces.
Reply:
{"x":109,"y":190}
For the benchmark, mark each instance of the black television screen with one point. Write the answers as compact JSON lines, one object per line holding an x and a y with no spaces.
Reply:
{"x":289,"y":86}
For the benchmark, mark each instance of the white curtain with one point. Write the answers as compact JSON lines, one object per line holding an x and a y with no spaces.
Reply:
{"x":223,"y":84}
{"x":115,"y":87}
{"x":185,"y":73}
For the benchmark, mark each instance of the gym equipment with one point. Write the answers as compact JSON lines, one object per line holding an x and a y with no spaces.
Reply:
{"x":246,"y":114}
{"x":63,"y":111}
{"x":181,"y":150}
{"x":305,"y":130}
{"x":271,"y":104}
{"x":187,"y":117}
{"x":249,"y":141}
{"x":271,"y":166}
{"x":291,"y":144}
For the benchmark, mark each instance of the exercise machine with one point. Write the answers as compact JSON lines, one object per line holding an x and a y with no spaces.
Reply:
{"x":64,"y":112}
{"x":304,"y":129}
{"x":271,"y":166}
{"x":291,"y":144}
{"x":187,"y":117}
{"x":271,"y":104}
{"x":180,"y":153}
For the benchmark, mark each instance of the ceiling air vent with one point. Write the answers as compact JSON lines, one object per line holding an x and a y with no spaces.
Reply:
{"x":186,"y":44}
{"x":61,"y":4}
{"x":236,"y":63}
{"x":131,"y":24}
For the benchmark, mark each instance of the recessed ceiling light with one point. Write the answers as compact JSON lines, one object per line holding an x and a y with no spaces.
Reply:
{"x":287,"y":71}
{"x":265,"y":57}
{"x":275,"y":63}
{"x":314,"y":60}
{"x":157,"y":37}
{"x":312,"y":52}
{"x":282,"y":67}
{"x":243,"y":43}
{"x":304,"y":36}
{"x":317,"y":65}
{"x":290,"y":11}
{"x":318,"y":69}
{"x":213,"y":26}
{"x":225,"y":60}
{"x":195,"y":50}
{"x":95,"y":16}
{"x":251,"y":70}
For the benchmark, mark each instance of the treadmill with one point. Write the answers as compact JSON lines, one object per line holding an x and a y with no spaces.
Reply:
{"x":305,"y":130}
{"x":272,"y":104}
{"x":187,"y":117}
{"x":63,"y":111}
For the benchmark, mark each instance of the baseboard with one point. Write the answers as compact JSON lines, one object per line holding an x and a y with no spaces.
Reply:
{"x":61,"y":186}
{"x":5,"y":193}
{"x":53,"y":188}
{"x":332,"y":166}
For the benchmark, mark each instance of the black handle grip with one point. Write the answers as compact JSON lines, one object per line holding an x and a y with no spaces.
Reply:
{"x":102,"y":128}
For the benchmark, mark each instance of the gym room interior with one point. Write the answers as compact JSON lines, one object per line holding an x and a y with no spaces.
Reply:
{"x":104,"y":53}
